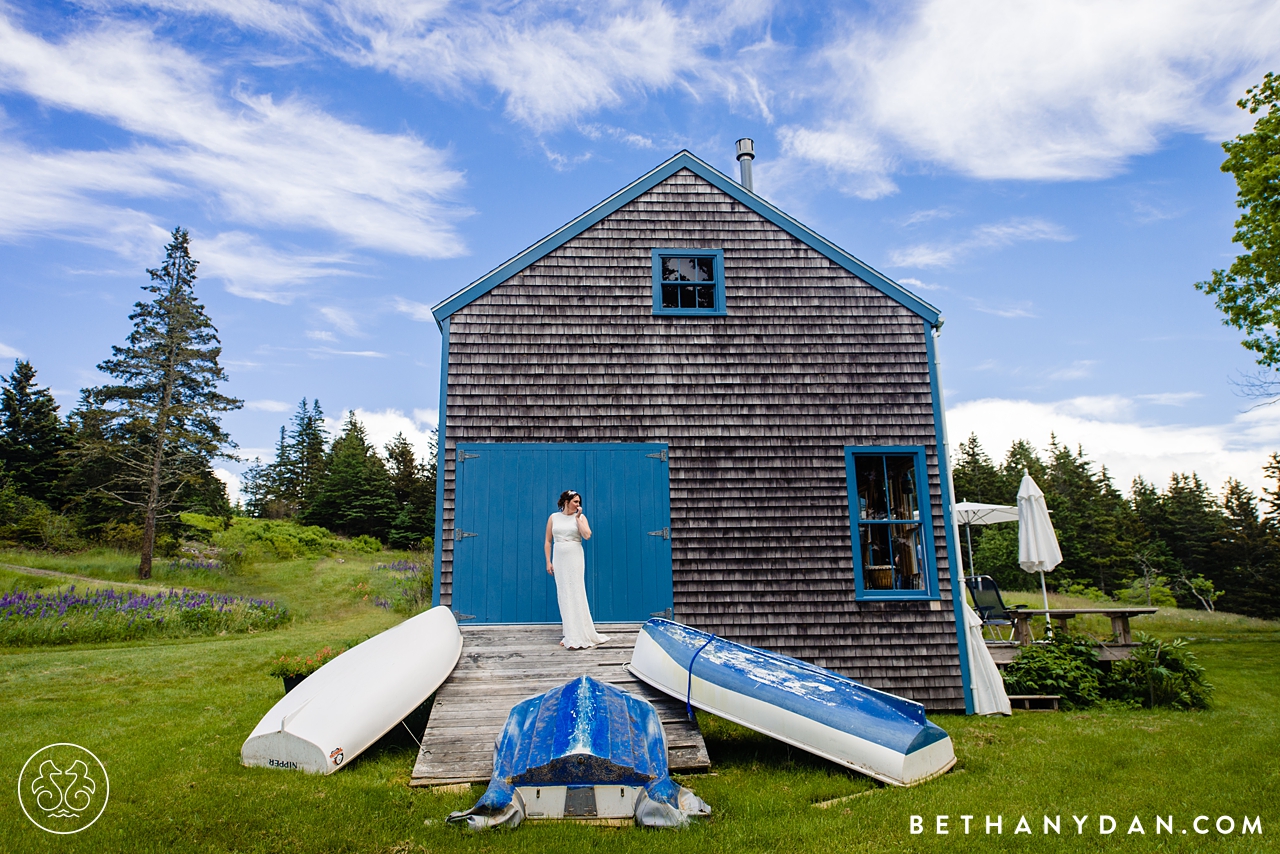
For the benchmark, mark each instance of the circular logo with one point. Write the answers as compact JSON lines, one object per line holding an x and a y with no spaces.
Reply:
{"x":63,"y":788}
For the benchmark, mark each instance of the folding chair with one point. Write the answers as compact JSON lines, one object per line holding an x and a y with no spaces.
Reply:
{"x":989,"y":604}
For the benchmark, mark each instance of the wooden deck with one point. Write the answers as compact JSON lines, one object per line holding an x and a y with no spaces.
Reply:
{"x":502,"y":665}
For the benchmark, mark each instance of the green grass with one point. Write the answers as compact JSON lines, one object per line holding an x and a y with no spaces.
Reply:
{"x":167,"y":719}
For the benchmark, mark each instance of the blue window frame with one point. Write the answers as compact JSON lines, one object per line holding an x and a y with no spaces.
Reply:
{"x":688,"y":281}
{"x":891,"y":522}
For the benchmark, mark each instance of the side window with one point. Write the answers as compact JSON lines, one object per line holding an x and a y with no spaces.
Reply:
{"x":688,"y":281}
{"x":890,"y":522}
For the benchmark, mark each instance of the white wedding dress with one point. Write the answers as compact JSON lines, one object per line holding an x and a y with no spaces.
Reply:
{"x":571,"y":589}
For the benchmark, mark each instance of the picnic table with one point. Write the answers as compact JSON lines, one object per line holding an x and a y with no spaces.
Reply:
{"x":1021,"y":618}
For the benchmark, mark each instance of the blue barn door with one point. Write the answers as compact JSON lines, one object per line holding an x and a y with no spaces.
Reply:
{"x":504,"y":494}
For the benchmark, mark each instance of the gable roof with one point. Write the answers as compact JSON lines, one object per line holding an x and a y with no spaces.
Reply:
{"x":685,"y":160}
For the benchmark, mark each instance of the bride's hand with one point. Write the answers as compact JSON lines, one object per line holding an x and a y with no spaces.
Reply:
{"x":550,"y":570}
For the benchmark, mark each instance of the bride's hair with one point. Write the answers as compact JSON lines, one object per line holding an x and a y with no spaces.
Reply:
{"x":565,"y":498}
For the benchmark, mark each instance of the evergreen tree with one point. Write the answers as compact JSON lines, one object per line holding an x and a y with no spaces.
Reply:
{"x":414,"y":484}
{"x":308,"y":443}
{"x":32,"y":435}
{"x":976,"y":477}
{"x":160,"y":424}
{"x":1245,"y":565}
{"x":355,"y":497}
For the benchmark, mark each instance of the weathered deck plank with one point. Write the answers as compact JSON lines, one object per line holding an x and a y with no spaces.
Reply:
{"x":502,"y":665}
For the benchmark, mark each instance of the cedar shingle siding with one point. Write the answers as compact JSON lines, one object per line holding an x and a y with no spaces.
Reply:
{"x":756,"y":406}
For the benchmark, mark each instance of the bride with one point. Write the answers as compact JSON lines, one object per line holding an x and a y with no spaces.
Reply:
{"x":567,"y":529}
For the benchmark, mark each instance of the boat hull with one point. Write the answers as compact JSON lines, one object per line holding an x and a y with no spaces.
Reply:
{"x":336,"y":713}
{"x":877,"y":734}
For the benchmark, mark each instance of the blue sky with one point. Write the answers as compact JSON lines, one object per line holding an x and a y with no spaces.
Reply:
{"x":1046,"y":174}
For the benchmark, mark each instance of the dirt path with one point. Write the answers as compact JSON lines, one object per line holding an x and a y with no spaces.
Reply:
{"x":68,"y":577}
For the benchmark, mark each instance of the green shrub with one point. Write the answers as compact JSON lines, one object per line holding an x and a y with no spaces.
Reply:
{"x":1066,"y":666}
{"x":1160,"y":673}
{"x":125,"y":536}
{"x":365,"y":544}
{"x":247,"y":540}
{"x":1091,"y":593}
{"x":1136,"y":594}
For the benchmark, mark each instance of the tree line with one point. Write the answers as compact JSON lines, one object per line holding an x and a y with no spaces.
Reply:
{"x":1179,"y":543}
{"x":136,"y":453}
{"x":345,"y":485}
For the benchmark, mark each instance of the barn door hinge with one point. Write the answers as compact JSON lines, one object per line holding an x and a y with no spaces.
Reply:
{"x":459,"y":534}
{"x":666,"y":614}
{"x":463,"y":455}
{"x":665,"y":533}
{"x":661,"y":455}
{"x":459,"y":616}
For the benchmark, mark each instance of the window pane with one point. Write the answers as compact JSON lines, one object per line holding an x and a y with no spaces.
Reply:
{"x":704,"y":270}
{"x":688,"y":299}
{"x":670,"y":296}
{"x":872,"y":503}
{"x":908,"y":557}
{"x":670,"y":269}
{"x":901,"y":476}
{"x":877,"y":557}
{"x":706,"y":296}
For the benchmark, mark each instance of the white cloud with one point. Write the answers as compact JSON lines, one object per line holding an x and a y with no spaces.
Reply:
{"x":7,"y":352}
{"x":321,"y":335}
{"x":416,"y":310}
{"x":364,"y":354}
{"x":232,"y":482}
{"x":341,"y":318}
{"x":1112,"y":436}
{"x":381,"y":426}
{"x":1171,"y":398}
{"x":995,"y":235}
{"x":1022,"y":309}
{"x":556,"y":61}
{"x":1056,"y":89}
{"x":917,"y":285}
{"x":278,"y":163}
{"x":1077,"y":370}
{"x":254,"y":270}
{"x":268,"y":405}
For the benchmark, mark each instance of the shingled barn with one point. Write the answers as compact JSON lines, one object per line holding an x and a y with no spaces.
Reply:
{"x":752,"y":416}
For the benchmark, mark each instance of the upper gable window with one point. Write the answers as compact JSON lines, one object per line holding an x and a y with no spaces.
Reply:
{"x":688,"y":281}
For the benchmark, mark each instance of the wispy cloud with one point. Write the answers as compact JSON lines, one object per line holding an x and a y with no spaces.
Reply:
{"x":7,"y":352}
{"x":1050,"y":90}
{"x":928,"y":216}
{"x":341,"y":318}
{"x":995,"y":235}
{"x":416,"y":310}
{"x":1077,"y":370}
{"x":265,"y":161}
{"x":321,"y":335}
{"x":1021,"y":309}
{"x":267,"y":405}
{"x":917,"y":285}
{"x":252,"y":269}
{"x":1171,"y":398}
{"x":364,"y":354}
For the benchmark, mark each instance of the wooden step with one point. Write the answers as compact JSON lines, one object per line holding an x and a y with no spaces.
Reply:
{"x":503,"y":665}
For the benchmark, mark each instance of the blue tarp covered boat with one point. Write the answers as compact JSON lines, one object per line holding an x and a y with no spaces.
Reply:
{"x":879,"y":734}
{"x":583,"y":750}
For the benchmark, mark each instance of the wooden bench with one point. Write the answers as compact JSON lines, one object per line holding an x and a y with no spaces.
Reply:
{"x":1021,"y":618}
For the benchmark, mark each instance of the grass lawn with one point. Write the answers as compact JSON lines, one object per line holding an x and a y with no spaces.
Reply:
{"x":167,"y":718}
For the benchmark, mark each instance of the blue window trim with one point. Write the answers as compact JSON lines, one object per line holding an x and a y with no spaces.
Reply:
{"x":717,"y":255}
{"x":925,"y":500}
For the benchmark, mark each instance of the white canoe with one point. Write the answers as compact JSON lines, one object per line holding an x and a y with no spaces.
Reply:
{"x":336,"y":713}
{"x":879,"y":734}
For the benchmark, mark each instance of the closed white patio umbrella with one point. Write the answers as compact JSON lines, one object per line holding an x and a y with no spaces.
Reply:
{"x":1037,"y":543}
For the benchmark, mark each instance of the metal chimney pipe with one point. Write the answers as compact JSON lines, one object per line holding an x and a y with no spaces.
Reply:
{"x":746,"y":153}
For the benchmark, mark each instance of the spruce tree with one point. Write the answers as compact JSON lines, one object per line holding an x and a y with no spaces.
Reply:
{"x":32,"y":435}
{"x":414,"y":484}
{"x":160,"y":424}
{"x":355,"y":496}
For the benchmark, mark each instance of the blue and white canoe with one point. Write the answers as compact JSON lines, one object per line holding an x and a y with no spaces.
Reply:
{"x":878,"y":734}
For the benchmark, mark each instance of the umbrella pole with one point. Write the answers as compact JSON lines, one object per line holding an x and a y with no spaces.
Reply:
{"x":968,"y":538}
{"x":1048,"y":624}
